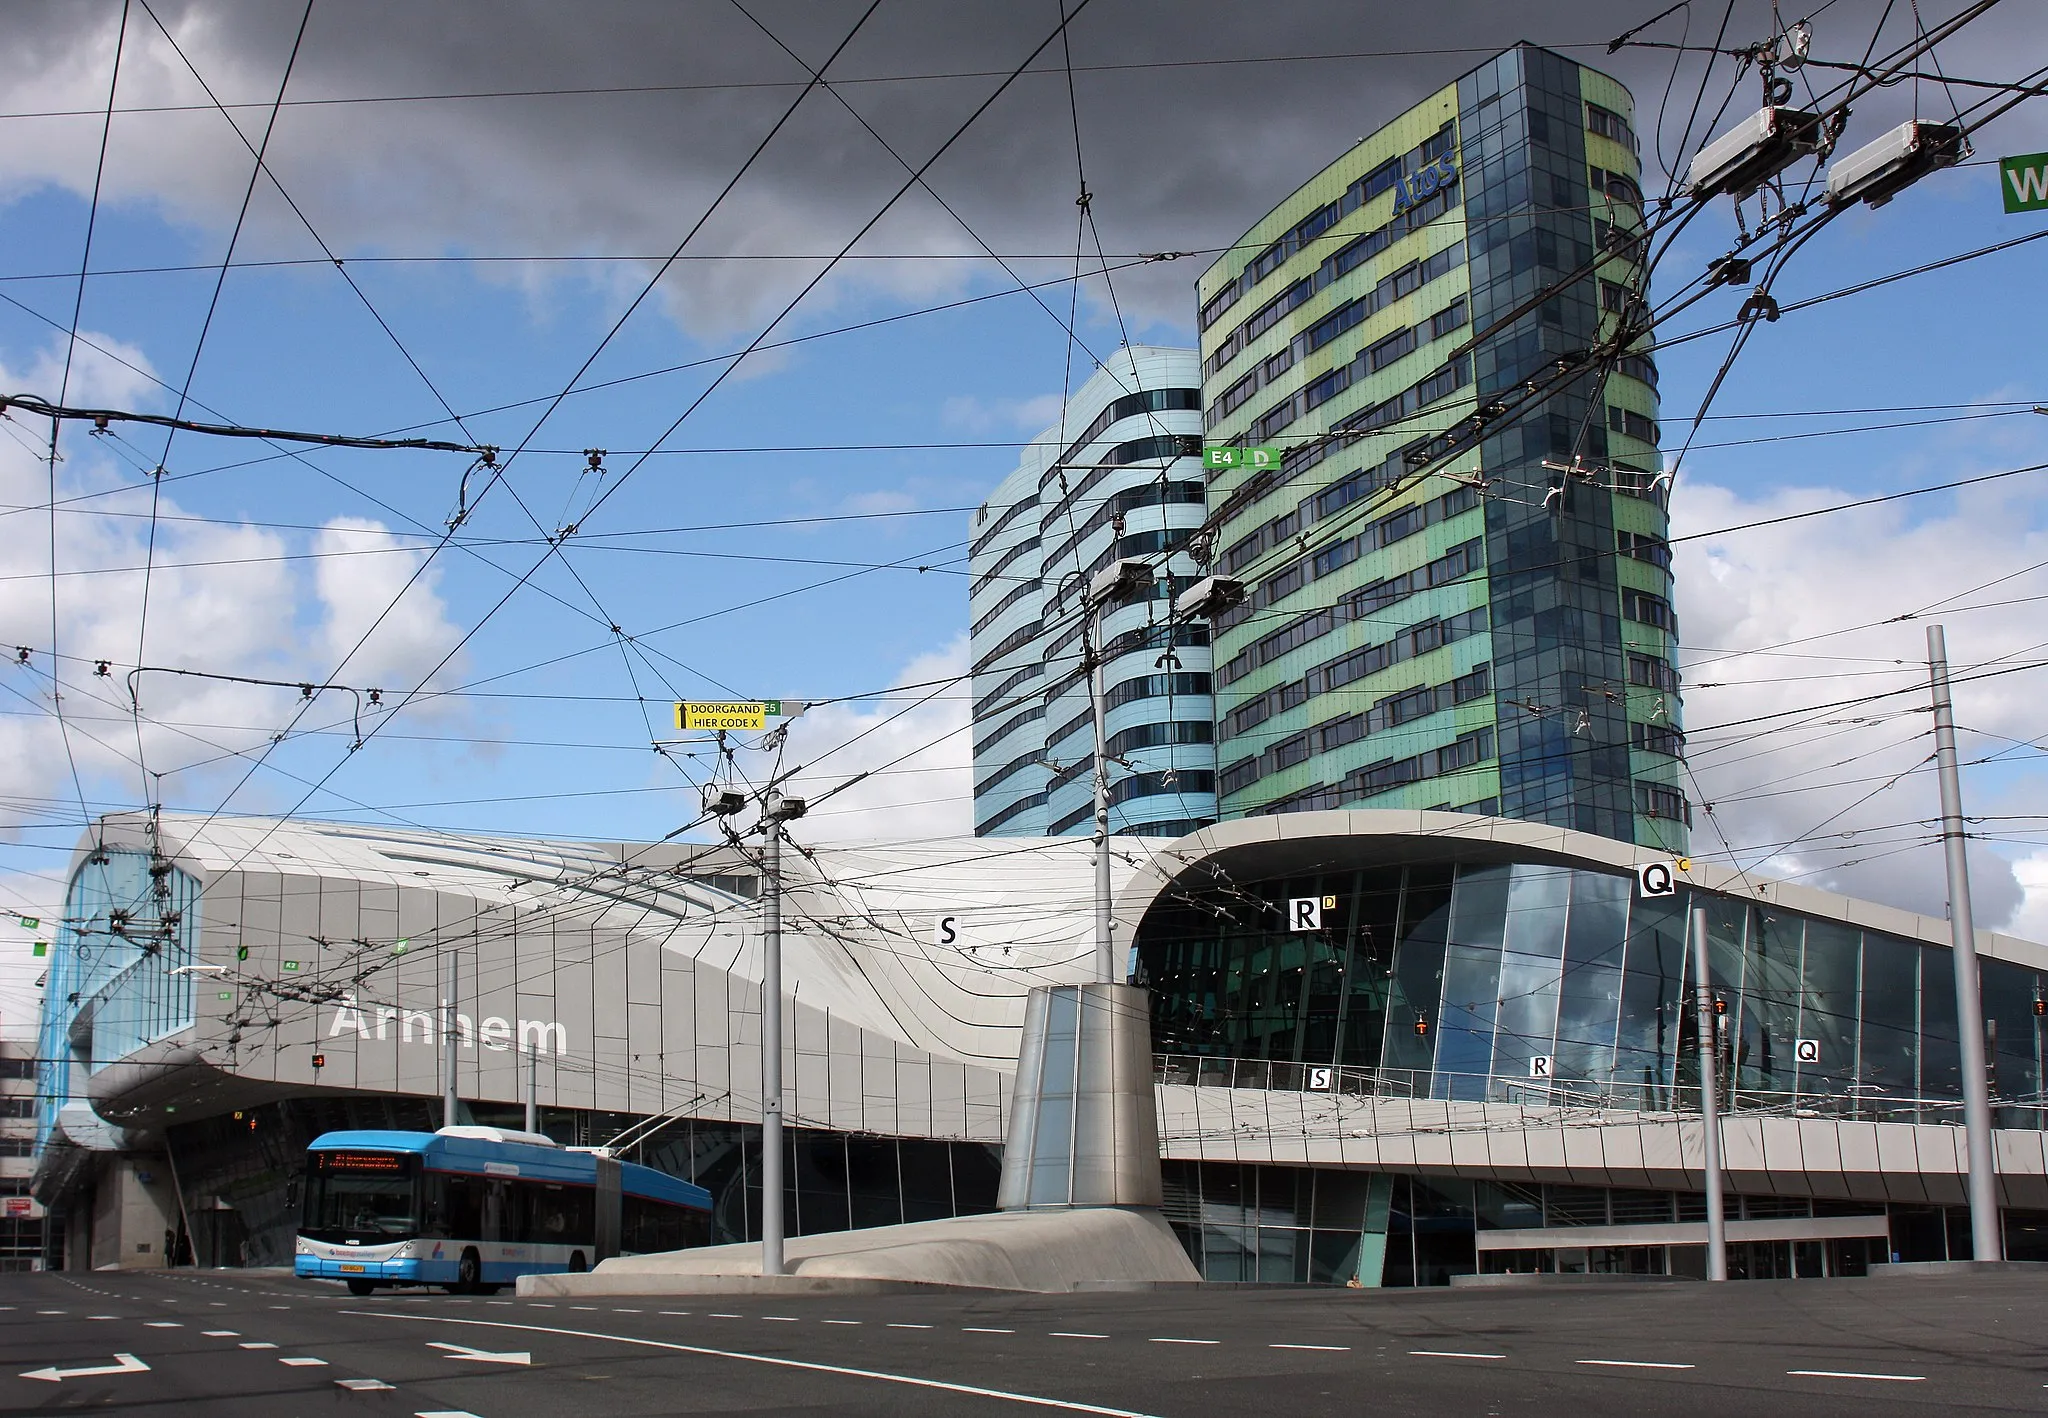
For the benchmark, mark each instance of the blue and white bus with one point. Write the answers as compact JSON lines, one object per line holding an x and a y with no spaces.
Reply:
{"x":474,"y":1208}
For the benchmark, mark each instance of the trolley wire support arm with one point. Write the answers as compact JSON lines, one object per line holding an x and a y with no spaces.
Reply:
{"x":101,"y":419}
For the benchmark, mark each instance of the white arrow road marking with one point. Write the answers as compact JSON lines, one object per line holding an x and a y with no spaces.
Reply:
{"x":463,"y":1351}
{"x":123,"y":1364}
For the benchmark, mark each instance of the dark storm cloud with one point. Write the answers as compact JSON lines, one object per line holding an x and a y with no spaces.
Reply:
{"x":1179,"y":157}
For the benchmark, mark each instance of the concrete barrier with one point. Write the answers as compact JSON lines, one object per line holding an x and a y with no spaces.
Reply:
{"x":1038,"y":1251}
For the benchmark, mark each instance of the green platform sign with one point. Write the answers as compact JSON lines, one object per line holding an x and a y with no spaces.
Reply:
{"x":2024,"y":181}
{"x":1263,"y":456}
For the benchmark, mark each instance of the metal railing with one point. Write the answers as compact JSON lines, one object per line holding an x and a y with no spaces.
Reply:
{"x":1856,"y":1103}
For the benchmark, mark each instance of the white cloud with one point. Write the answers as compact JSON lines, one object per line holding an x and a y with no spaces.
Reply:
{"x":1832,"y":612}
{"x":918,"y":745}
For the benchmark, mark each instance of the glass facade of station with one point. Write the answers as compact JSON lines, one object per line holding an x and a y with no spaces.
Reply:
{"x":130,"y":926}
{"x":1531,"y":982}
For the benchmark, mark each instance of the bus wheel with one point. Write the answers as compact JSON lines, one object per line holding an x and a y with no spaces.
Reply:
{"x":577,"y":1264}
{"x":361,"y":1287}
{"x":469,"y":1273}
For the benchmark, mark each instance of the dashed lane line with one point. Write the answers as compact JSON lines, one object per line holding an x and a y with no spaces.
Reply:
{"x":1451,"y":1354}
{"x":776,"y":1361}
{"x":255,"y":1344}
{"x":1183,"y":1341}
{"x":1327,"y":1348}
{"x":1631,"y":1364}
{"x":304,"y":1363}
{"x":162,"y":1324}
{"x":362,"y":1385}
{"x":1074,"y":1334}
{"x":964,"y":1329}
{"x":445,"y":1413}
{"x":222,"y":1333}
{"x":894,"y":1324}
{"x":842,"y":1321}
{"x":1849,"y":1374}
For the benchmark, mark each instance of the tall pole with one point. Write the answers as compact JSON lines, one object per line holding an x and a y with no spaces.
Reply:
{"x":1710,"y":1103}
{"x":771,"y":1049}
{"x":1985,"y":1241}
{"x":1105,"y":945}
{"x":448,"y":1046}
{"x":533,"y":1086}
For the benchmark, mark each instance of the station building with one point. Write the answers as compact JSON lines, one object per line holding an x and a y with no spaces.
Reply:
{"x":1475,"y":1054}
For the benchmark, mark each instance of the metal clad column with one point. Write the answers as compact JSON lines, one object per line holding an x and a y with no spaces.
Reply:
{"x":1084,"y":1125}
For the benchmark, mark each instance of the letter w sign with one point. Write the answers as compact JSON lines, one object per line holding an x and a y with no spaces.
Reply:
{"x":2024,"y":181}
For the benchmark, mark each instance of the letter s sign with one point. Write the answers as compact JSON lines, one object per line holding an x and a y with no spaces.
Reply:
{"x":945,"y":931}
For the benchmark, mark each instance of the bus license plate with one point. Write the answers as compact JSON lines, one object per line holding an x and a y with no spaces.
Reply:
{"x":351,"y":1270}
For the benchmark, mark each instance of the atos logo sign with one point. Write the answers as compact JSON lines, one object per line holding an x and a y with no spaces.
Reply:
{"x":1424,"y":184}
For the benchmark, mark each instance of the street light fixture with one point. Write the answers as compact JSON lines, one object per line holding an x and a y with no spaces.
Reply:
{"x":1209,"y":597}
{"x":1753,"y":152}
{"x":1877,"y":172}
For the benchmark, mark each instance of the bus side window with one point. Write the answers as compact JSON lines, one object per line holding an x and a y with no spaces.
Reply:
{"x":463,"y":1206}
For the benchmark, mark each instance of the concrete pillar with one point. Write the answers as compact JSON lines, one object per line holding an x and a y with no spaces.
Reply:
{"x":1084,"y":1128}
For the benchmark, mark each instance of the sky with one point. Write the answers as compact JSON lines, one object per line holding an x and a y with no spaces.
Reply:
{"x":464,"y":214}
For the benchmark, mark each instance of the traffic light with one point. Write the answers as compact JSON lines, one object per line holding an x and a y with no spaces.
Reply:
{"x":1421,"y":1027}
{"x":1720,"y":1005}
{"x":241,"y":952}
{"x":2040,"y":1008}
{"x":319,"y":1061}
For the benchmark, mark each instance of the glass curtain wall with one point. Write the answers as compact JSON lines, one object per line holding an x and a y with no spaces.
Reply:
{"x":131,"y":923}
{"x":1533,"y":982}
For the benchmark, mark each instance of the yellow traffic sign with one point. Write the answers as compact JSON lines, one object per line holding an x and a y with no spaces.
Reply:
{"x":701,"y":715}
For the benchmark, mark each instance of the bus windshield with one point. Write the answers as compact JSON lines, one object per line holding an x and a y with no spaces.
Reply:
{"x":371,"y":1197}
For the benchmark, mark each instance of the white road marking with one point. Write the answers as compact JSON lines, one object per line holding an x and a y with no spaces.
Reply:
{"x":164,"y":1324}
{"x":628,"y":1312}
{"x":965,"y":1329}
{"x":484,"y":1356}
{"x":445,"y":1413}
{"x":718,"y":1316}
{"x":1072,"y":1334}
{"x":223,"y":1333}
{"x":497,"y":1302}
{"x":894,"y":1325}
{"x":772,"y":1319}
{"x":1332,"y":1348}
{"x":775,"y":1361}
{"x":362,"y":1385}
{"x":1183,"y":1341}
{"x":49,"y":1312}
{"x":538,"y":1305}
{"x":842,"y":1321}
{"x":591,"y":1308}
{"x":103,"y":1317}
{"x":1843,"y":1374}
{"x":1451,"y":1354}
{"x":256,"y":1344}
{"x":1630,"y":1364}
{"x":304,"y":1363}
{"x":665,"y":1312}
{"x":123,"y":1364}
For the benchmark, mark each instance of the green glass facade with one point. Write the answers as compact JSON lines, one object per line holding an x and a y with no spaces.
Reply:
{"x":1447,"y":980}
{"x":1493,"y":632}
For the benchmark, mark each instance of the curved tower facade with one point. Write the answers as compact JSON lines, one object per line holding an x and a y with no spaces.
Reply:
{"x":1117,"y":478}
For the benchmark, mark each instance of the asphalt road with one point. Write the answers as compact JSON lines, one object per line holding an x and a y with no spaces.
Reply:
{"x":229,"y":1344}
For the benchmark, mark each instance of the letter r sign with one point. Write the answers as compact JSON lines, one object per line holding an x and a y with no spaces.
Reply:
{"x":1305,"y":913}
